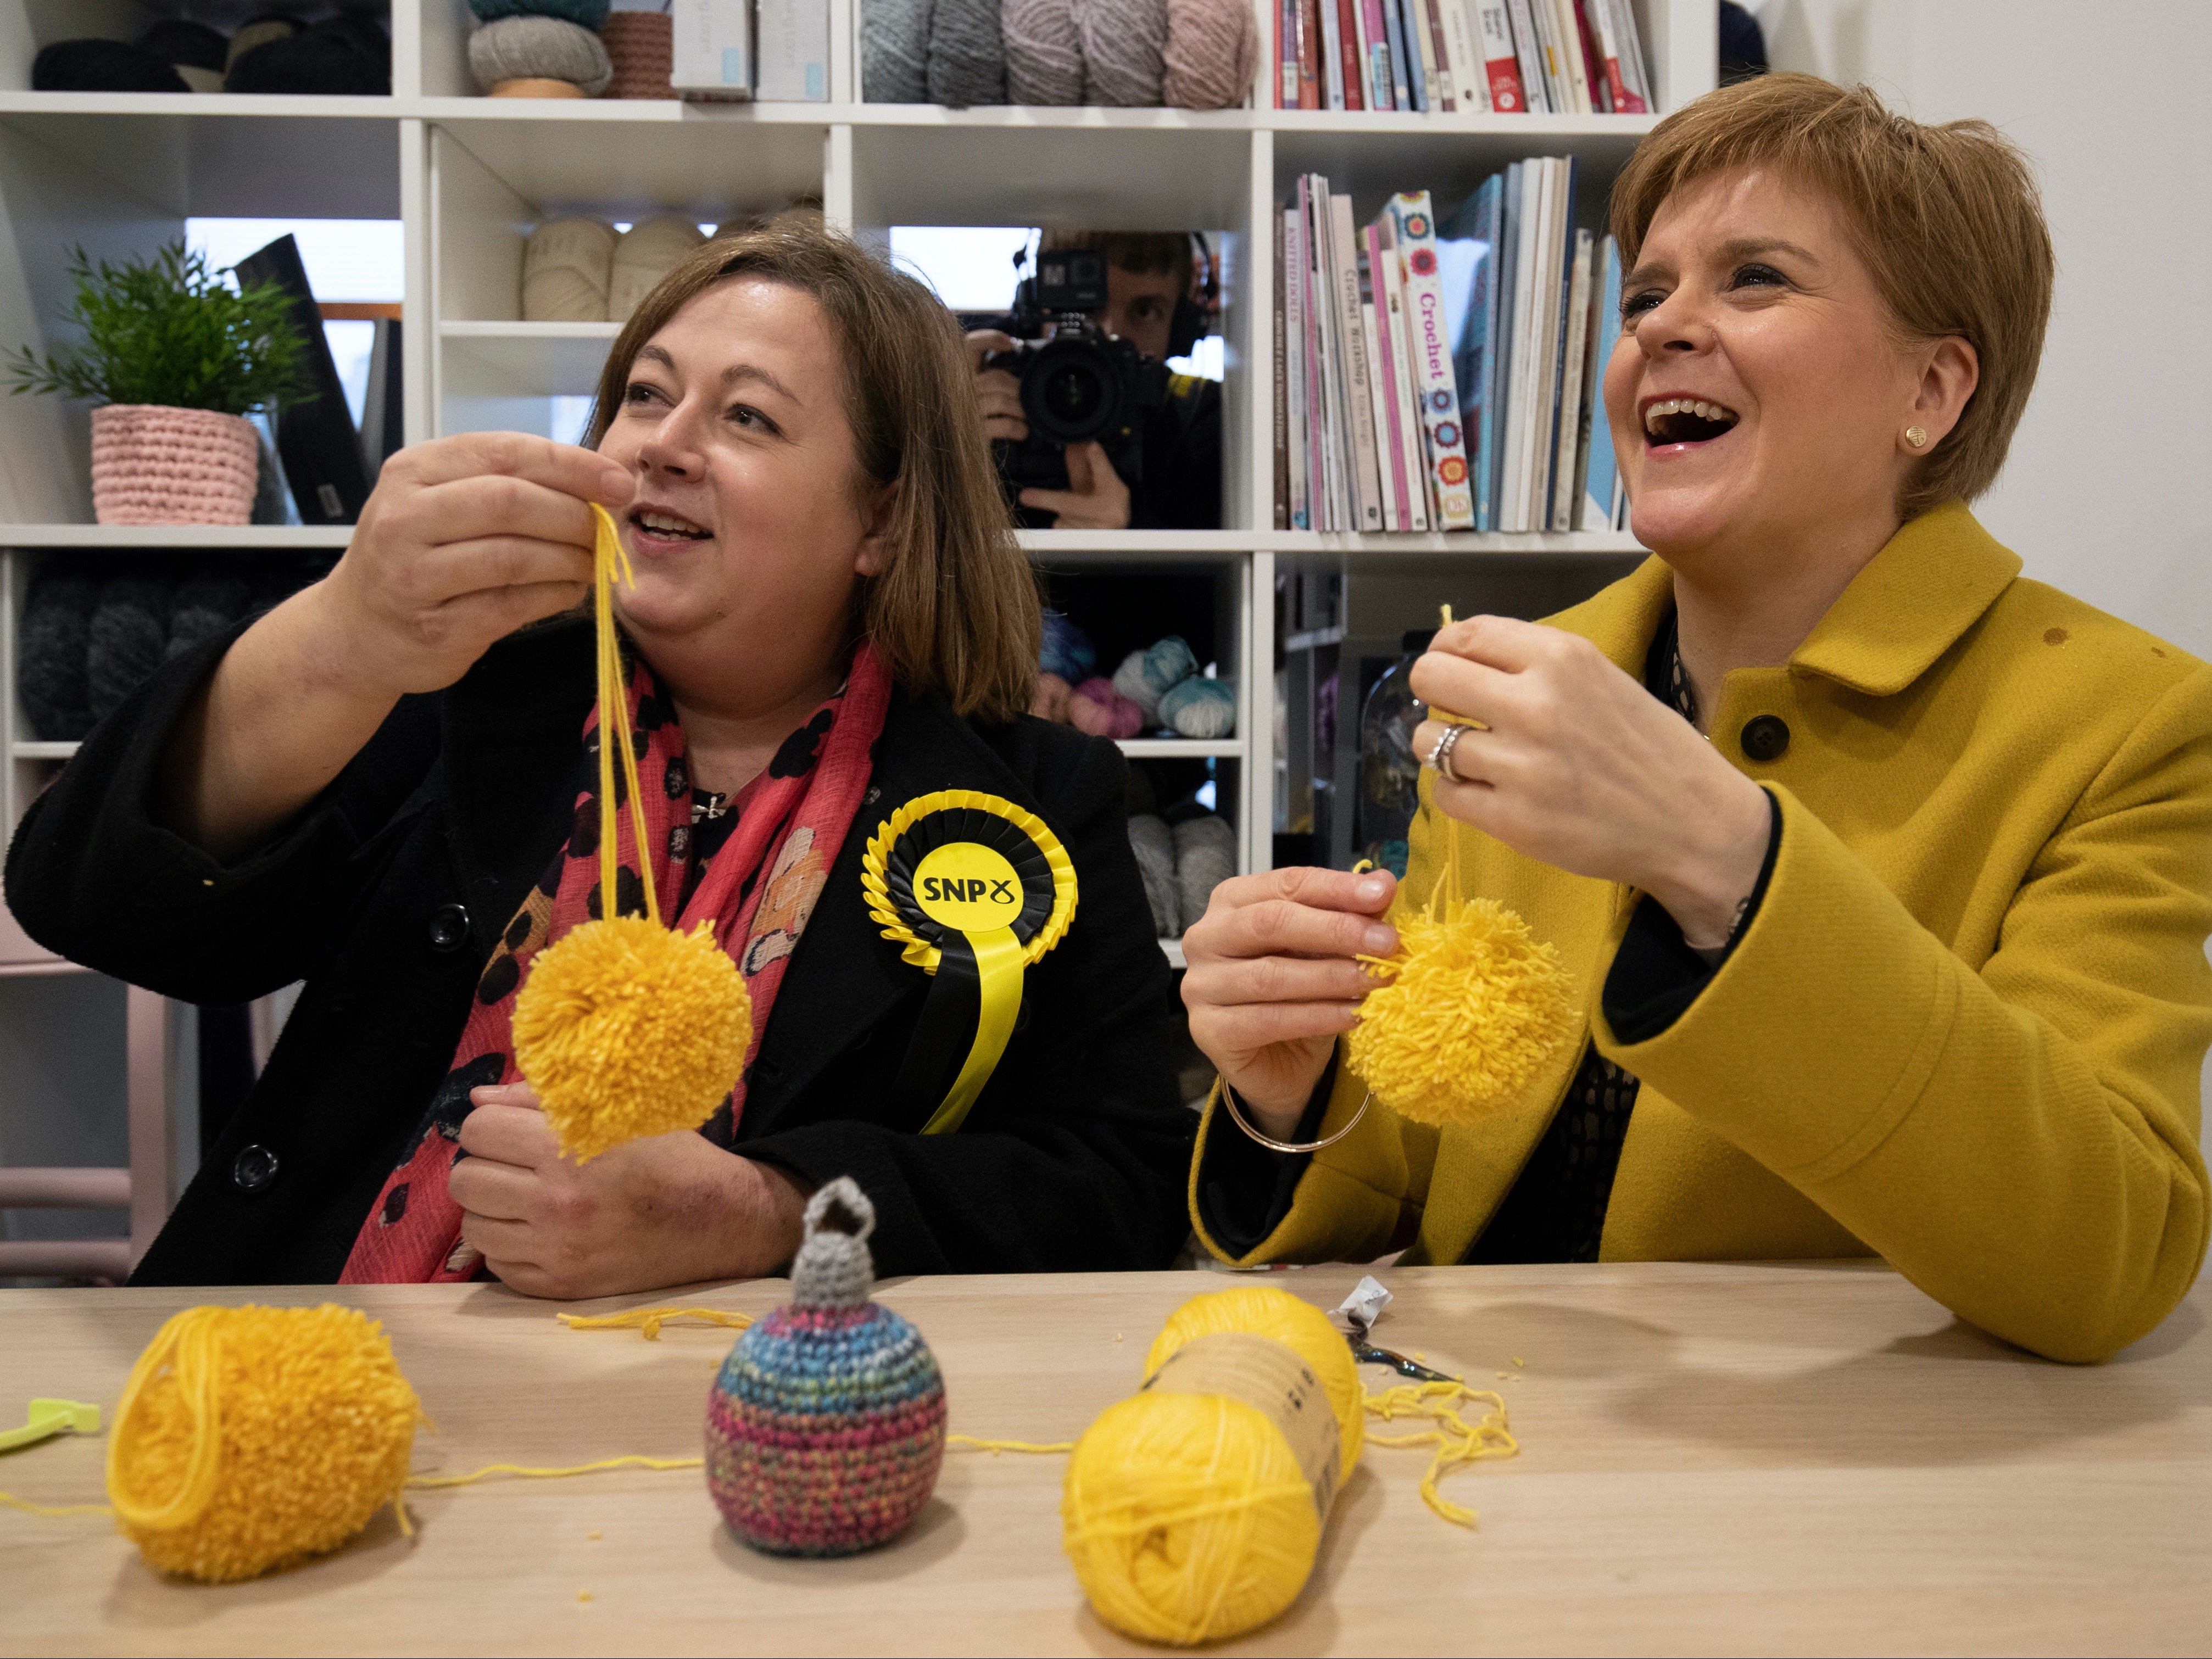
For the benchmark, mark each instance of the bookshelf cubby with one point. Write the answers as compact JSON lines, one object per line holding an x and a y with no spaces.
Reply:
{"x":468,"y":177}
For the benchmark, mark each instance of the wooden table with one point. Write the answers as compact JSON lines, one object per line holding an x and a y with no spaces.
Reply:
{"x":1810,"y":1458}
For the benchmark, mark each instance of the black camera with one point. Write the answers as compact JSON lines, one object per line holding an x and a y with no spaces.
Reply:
{"x":1078,"y":384}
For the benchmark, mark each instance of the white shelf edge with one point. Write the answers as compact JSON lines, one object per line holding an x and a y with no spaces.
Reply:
{"x":1160,"y":543}
{"x":524,"y":331}
{"x":1448,"y":542}
{"x":1172,"y":950}
{"x":1181,"y":748}
{"x":177,"y":535}
{"x":30,"y":748}
{"x":671,"y":112}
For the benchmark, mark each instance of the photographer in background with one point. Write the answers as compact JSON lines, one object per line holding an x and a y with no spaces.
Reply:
{"x":1168,"y":476}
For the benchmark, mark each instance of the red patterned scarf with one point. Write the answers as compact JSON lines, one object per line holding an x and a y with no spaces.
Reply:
{"x":794,"y":819}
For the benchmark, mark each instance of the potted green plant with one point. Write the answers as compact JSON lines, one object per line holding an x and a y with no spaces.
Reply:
{"x":175,"y":358}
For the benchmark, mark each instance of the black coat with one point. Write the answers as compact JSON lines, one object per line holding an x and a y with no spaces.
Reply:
{"x":1074,"y":1156}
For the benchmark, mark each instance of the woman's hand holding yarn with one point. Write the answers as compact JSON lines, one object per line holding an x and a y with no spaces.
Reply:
{"x":1578,"y":766}
{"x":1274,"y":979}
{"x":1095,"y":498}
{"x":463,"y":540}
{"x":669,"y":1209}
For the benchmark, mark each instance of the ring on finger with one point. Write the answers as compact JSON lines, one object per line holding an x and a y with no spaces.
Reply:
{"x":1440,"y":757}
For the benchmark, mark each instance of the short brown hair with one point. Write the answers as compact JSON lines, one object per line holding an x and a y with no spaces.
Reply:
{"x":955,"y":612}
{"x":1946,"y":218}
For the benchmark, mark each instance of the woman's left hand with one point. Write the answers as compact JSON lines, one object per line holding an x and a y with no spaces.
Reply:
{"x":1582,"y":769}
{"x":667,"y":1210}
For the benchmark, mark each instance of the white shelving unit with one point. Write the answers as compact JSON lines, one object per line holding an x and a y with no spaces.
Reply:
{"x":469,"y":177}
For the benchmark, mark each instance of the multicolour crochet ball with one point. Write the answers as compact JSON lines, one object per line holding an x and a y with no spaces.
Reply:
{"x":825,"y":1428}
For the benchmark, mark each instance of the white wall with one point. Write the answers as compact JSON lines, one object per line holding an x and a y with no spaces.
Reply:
{"x":2106,"y":492}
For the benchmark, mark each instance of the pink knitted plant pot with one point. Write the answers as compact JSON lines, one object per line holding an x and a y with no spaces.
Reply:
{"x":155,"y":465}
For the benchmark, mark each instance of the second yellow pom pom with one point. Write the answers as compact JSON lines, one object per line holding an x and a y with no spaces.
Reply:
{"x":1474,"y":1006}
{"x":626,"y":1028}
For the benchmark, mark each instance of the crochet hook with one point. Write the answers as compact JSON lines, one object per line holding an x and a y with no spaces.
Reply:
{"x":50,"y":1418}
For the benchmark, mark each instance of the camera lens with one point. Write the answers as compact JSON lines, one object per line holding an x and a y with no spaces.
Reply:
{"x":1071,"y":391}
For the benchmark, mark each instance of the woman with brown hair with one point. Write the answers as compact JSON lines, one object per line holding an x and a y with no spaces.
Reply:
{"x":385,"y":787}
{"x":1886,"y":874}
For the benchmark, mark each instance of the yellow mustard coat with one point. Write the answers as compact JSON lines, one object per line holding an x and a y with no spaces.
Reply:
{"x":1963,"y":1030}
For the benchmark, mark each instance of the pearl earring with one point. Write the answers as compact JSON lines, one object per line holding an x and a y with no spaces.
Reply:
{"x":1915,"y":435}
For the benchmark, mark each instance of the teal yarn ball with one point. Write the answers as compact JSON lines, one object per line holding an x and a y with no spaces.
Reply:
{"x":1201,"y":709}
{"x":1145,"y":677}
{"x":589,"y":13}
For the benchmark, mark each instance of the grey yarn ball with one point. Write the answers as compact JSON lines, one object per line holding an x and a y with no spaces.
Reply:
{"x":1154,"y":845}
{"x":51,"y":653}
{"x":967,"y":54}
{"x":210,"y":598}
{"x":1200,"y":708}
{"x":1044,"y":59}
{"x":1124,"y":43}
{"x":539,"y":49}
{"x":894,"y":51}
{"x":1145,"y":677}
{"x":1212,"y":48}
{"x":128,"y":631}
{"x":1205,"y":856}
{"x":833,"y":1268}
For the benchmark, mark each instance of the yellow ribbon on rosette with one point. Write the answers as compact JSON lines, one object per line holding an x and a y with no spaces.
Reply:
{"x":973,"y":888}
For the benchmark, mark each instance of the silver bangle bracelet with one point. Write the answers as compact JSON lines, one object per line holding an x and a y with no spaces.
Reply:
{"x":1229,"y":1099}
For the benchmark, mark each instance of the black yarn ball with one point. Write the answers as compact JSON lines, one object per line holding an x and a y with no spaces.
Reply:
{"x":128,"y":631}
{"x":363,"y":35}
{"x":180,"y":40}
{"x":102,"y":66}
{"x":50,"y":652}
{"x":326,"y":60}
{"x":212,"y":595}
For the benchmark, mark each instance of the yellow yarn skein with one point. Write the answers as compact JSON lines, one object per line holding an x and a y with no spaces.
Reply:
{"x":248,"y":1438}
{"x":1193,"y":1511}
{"x":626,"y":1028}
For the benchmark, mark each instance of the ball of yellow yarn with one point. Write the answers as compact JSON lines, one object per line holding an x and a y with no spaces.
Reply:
{"x":1473,"y":1007}
{"x":251,"y":1437}
{"x":1188,"y":1517}
{"x":626,"y":1028}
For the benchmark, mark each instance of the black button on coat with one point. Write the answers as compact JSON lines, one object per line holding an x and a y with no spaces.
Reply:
{"x":1073,"y":1159}
{"x":1764,"y":736}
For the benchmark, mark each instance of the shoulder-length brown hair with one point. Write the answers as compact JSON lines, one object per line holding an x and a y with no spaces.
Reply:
{"x":955,"y":612}
{"x":1946,"y":218}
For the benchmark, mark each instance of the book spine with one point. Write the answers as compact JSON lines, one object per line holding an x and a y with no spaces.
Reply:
{"x":1330,"y":426}
{"x":1625,"y":98}
{"x":1604,"y":464}
{"x":1331,"y":56}
{"x":1592,"y":387}
{"x":1366,"y":493}
{"x":1394,"y":31}
{"x":1546,"y":306}
{"x":1560,"y":511}
{"x":1569,"y":38}
{"x":1436,"y":56}
{"x":1286,"y":73}
{"x":1520,"y":376}
{"x":1501,"y":68}
{"x":1413,"y":465}
{"x":1549,"y":65}
{"x":1593,"y":60}
{"x":1296,"y":348}
{"x":1560,"y":246}
{"x":1506,"y":221}
{"x":1281,"y":415}
{"x":1428,"y":349}
{"x":1352,"y":25}
{"x":1533,"y":94}
{"x":1374,"y":54}
{"x":1389,"y":454}
{"x":1635,"y":67}
{"x":1467,"y":71}
{"x":1310,"y":89}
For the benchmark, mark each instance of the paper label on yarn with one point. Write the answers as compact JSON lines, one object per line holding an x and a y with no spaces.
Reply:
{"x":1269,"y":1376}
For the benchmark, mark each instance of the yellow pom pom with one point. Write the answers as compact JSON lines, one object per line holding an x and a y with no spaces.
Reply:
{"x":1187,"y":1516}
{"x":1474,"y":1006}
{"x":249,"y":1438}
{"x":626,"y":1028}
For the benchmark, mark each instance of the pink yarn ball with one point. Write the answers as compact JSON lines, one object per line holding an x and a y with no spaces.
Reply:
{"x":1095,"y":708}
{"x":1050,"y":701}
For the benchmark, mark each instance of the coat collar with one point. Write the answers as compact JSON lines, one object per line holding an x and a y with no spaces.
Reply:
{"x":1931,"y":581}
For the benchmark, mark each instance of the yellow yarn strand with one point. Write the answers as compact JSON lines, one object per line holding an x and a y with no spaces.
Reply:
{"x":1456,"y":1440}
{"x":529,"y":1472}
{"x":994,"y":1447}
{"x":626,"y":1028}
{"x":52,"y":1511}
{"x":647,"y":1321}
{"x":611,"y":563}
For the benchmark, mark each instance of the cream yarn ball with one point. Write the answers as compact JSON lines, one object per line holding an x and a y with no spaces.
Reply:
{"x":565,"y":271}
{"x":651,"y":249}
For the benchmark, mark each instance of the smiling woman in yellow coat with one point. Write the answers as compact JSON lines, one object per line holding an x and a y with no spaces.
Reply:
{"x":1885,"y":873}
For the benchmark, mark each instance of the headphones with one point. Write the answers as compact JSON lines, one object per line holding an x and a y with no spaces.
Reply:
{"x":1194,"y":319}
